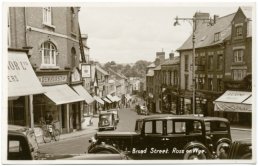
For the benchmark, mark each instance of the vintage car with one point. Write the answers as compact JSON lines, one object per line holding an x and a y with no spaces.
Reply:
{"x":241,"y":149}
{"x":107,"y":121}
{"x":167,"y":137}
{"x":22,"y":145}
{"x":115,"y":112}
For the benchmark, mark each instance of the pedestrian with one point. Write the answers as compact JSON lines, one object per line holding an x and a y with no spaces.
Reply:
{"x":48,"y":118}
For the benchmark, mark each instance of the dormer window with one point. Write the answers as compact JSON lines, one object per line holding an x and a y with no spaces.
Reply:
{"x":216,"y":37}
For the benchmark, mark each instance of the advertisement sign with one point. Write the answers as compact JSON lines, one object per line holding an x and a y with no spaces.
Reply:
{"x":86,"y":70}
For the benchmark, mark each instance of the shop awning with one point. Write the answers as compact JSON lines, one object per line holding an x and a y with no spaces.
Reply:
{"x":234,"y":101}
{"x":62,"y":94}
{"x":111,"y":98}
{"x":98,"y":99}
{"x":106,"y":100}
{"x":22,"y":80}
{"x":83,"y":93}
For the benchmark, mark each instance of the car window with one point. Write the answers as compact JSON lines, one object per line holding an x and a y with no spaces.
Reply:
{"x":194,"y":128}
{"x":14,"y":146}
{"x":214,"y":126}
{"x":153,"y":127}
{"x":148,"y":127}
{"x":169,"y":126}
{"x":159,"y":127}
{"x":180,"y":127}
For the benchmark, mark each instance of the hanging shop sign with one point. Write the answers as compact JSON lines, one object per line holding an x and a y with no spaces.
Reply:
{"x":86,"y":70}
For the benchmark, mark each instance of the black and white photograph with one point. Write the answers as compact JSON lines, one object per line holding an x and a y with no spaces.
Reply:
{"x":128,"y":82}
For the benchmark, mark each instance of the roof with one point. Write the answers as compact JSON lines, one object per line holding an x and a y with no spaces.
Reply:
{"x":150,"y":73}
{"x":157,"y":68}
{"x":101,"y":70}
{"x":204,"y":34}
{"x":172,"y":61}
{"x":151,"y":65}
{"x":247,"y":11}
{"x":117,"y":74}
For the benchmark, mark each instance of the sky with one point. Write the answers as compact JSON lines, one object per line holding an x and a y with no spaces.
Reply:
{"x":127,"y":32}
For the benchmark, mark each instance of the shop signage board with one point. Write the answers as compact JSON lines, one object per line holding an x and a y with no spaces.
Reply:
{"x":21,"y":78}
{"x":53,"y":79}
{"x":76,"y":75}
{"x":86,"y":70}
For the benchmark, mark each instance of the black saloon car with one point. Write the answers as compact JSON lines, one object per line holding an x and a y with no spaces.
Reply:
{"x":167,"y":137}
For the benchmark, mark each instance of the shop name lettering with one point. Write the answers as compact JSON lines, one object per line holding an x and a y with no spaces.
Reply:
{"x":167,"y":151}
{"x":52,"y":79}
{"x":14,"y":65}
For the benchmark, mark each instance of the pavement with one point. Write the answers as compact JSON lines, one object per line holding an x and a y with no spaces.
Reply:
{"x":87,"y":128}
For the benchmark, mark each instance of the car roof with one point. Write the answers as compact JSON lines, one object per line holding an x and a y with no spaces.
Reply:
{"x":187,"y":117}
{"x":17,"y":128}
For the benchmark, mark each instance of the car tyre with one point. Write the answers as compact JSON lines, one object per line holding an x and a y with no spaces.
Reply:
{"x":222,"y":154}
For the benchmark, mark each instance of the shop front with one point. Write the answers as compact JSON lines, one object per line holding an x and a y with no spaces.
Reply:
{"x":23,"y":84}
{"x":236,"y":106}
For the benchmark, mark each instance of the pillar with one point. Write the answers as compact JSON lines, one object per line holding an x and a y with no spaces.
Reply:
{"x":67,"y":118}
{"x":31,"y":111}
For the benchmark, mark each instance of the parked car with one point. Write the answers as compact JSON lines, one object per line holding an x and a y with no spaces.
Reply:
{"x":241,"y":149}
{"x":115,"y":112}
{"x":22,"y":145}
{"x":166,"y":137}
{"x":107,"y":121}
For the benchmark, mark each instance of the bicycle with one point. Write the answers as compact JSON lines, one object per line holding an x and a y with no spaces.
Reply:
{"x":50,"y":132}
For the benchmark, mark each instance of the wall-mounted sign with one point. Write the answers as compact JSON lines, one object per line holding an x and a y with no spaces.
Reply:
{"x":76,"y":75}
{"x":53,"y":79}
{"x":86,"y":70}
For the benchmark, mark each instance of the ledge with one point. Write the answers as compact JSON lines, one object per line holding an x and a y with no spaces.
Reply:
{"x":49,"y":26}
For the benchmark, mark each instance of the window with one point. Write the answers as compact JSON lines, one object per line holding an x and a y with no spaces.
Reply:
{"x":72,"y":19}
{"x":186,"y":63}
{"x":238,"y":74}
{"x":220,"y":62}
{"x":210,"y":62}
{"x":219,"y":85}
{"x":238,"y":55}
{"x":216,"y":37}
{"x":169,"y":126}
{"x":179,"y":127}
{"x":74,"y":57}
{"x":47,"y":17}
{"x":153,"y":127}
{"x":210,"y":84}
{"x":175,"y":78}
{"x":49,"y":53}
{"x":186,"y":82}
{"x":172,"y":78}
{"x":239,"y":30}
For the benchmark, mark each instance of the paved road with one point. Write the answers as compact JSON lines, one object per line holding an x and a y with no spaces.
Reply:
{"x":127,"y":123}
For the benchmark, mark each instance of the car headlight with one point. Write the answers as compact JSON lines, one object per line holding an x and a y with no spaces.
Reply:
{"x":92,"y":140}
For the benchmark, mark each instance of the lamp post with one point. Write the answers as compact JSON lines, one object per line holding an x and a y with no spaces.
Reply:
{"x":194,"y":21}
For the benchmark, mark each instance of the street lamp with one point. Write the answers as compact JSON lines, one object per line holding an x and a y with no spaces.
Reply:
{"x":194,"y":20}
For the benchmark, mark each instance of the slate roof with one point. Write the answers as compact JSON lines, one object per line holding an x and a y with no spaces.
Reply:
{"x":101,"y":70}
{"x":150,"y":73}
{"x":173,"y":61}
{"x":151,"y":65}
{"x":204,"y":34}
{"x":157,"y":67}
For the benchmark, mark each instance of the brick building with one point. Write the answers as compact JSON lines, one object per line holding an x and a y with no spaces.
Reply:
{"x":52,"y":36}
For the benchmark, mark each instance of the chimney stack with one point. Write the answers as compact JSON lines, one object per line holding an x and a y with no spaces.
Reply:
{"x":84,"y":39}
{"x":171,"y":55}
{"x":161,"y":56}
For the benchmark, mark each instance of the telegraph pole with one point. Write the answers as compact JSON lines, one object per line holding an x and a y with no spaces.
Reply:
{"x":194,"y":21}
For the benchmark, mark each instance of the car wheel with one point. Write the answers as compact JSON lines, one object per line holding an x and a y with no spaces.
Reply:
{"x":195,"y":153}
{"x":222,"y":150}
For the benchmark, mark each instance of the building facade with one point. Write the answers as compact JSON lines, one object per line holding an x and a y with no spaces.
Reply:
{"x":52,"y":36}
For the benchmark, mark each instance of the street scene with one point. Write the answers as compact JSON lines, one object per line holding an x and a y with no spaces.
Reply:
{"x":129,"y":82}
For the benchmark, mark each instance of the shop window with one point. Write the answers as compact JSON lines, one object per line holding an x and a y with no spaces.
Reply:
{"x":47,"y":15}
{"x":49,"y":54}
{"x":220,"y":62}
{"x":238,"y":55}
